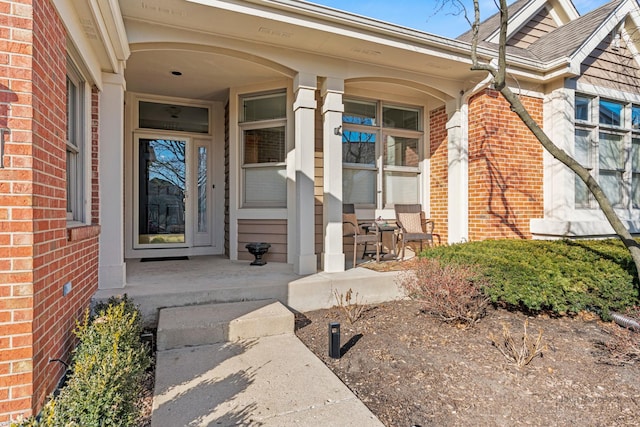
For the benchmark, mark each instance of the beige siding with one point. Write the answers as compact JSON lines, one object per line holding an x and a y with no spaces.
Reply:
{"x":611,"y":68}
{"x":273,"y":231}
{"x":537,"y":27}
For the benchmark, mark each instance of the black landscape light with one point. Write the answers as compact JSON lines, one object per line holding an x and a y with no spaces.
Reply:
{"x":334,"y":340}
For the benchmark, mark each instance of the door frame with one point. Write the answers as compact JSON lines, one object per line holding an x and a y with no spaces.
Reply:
{"x":216,"y":173}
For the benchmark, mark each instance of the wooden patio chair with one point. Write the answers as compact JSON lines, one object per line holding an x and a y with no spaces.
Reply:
{"x":412,"y":226}
{"x":351,"y":228}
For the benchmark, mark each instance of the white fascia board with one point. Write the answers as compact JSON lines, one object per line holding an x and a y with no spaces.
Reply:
{"x":605,"y":29}
{"x":350,"y":25}
{"x":355,"y":26}
{"x":77,"y":36}
{"x":565,"y":6}
{"x":114,"y":23}
{"x":516,"y":21}
{"x":101,"y":29}
{"x":569,"y":8}
{"x":628,"y":36}
{"x":527,"y":12}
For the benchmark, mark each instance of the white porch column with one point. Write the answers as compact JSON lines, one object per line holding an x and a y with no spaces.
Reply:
{"x":458,"y":196}
{"x":112,"y":271}
{"x":332,"y":108}
{"x":304,"y":108}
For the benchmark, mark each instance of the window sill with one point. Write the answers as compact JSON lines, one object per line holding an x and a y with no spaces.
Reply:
{"x":77,"y":231}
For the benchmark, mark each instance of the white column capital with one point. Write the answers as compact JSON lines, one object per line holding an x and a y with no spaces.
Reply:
{"x":114,"y":79}
{"x":332,"y":90}
{"x":305,"y":81}
{"x":332,"y":84}
{"x":305,"y":98}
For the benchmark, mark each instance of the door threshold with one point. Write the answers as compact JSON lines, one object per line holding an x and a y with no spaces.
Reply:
{"x":165,"y":258}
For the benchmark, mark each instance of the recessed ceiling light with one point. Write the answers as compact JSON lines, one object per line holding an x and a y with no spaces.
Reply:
{"x":176,"y":73}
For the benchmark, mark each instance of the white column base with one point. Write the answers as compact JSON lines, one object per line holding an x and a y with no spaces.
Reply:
{"x":306,"y":264}
{"x":112,"y":276}
{"x":333,"y":263}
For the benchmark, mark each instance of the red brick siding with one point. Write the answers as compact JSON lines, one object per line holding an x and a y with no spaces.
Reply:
{"x":16,"y":224}
{"x":439,"y":161}
{"x":38,"y":255}
{"x":505,"y":168}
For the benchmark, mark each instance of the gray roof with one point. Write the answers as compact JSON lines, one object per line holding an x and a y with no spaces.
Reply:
{"x":491,"y":24}
{"x":566,"y":40}
{"x":561,"y":42}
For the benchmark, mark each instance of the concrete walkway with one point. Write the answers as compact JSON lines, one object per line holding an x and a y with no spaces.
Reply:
{"x":270,"y":379}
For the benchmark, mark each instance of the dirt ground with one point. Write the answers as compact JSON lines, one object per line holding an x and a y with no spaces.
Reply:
{"x":411,"y":369}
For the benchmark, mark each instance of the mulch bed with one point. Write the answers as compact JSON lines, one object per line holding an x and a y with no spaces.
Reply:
{"x":411,"y":369}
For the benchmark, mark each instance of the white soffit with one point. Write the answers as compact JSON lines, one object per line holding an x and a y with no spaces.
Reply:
{"x":304,"y":27}
{"x":96,"y":30}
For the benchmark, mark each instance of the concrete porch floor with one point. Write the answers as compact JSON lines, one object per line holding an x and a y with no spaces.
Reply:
{"x":210,"y":279}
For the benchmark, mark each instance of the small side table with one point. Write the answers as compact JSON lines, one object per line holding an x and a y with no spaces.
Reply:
{"x":382,"y":228}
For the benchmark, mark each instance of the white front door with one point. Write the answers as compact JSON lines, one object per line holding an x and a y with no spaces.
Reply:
{"x":172,"y":192}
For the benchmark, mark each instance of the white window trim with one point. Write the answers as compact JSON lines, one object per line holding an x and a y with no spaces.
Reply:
{"x":594,"y":128}
{"x":380,"y":130}
{"x":261,"y":124}
{"x":80,"y":212}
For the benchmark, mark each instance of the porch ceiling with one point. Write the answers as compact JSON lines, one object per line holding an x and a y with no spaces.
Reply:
{"x":302,"y":30}
{"x":204,"y":75}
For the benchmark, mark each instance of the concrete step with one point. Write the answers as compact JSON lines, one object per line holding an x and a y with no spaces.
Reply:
{"x":197,"y":325}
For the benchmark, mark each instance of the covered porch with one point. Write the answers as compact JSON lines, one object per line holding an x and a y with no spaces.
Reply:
{"x":216,"y":135}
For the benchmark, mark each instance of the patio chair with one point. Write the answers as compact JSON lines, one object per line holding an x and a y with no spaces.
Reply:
{"x":412,"y":226}
{"x":351,"y":228}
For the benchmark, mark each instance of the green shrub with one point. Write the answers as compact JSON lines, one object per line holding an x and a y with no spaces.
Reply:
{"x":559,"y":276}
{"x":108,"y":366}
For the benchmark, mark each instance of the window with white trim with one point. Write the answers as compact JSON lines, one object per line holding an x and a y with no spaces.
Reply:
{"x":75,"y":149}
{"x":263,"y":126}
{"x":380,"y":158}
{"x":607,"y":142}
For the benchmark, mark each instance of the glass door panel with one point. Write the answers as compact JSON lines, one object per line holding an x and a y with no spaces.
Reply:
{"x":203,"y":229}
{"x":162,"y":192}
{"x":202,"y":190}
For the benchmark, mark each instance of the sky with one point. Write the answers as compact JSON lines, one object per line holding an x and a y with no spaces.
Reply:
{"x":424,"y":14}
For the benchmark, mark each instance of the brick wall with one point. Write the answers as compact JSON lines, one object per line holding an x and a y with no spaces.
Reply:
{"x":16,"y":224}
{"x":505,"y":168}
{"x":38,"y":254}
{"x":439,"y":161}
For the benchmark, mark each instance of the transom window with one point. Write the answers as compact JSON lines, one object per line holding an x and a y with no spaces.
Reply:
{"x":263,"y":125}
{"x":607,"y":142}
{"x":380,"y":153}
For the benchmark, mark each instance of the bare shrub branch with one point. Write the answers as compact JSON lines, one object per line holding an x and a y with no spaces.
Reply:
{"x":519,"y":354}
{"x":450,"y":292}
{"x":350,"y":304}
